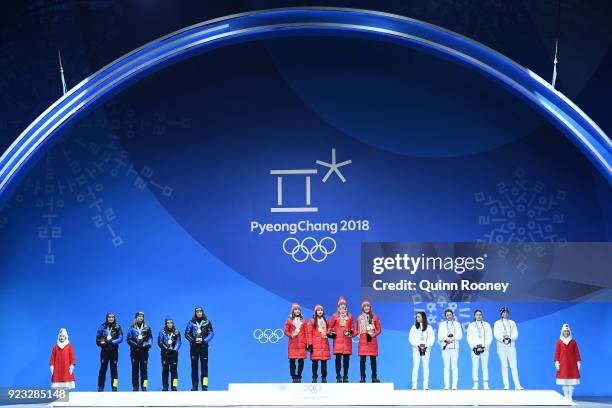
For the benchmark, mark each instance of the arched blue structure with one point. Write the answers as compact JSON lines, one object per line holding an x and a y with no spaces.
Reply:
{"x":558,"y":109}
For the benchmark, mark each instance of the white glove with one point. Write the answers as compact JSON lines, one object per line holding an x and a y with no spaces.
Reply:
{"x":578,"y":364}
{"x":51,"y":368}
{"x":557,"y":365}
{"x":71,"y":369}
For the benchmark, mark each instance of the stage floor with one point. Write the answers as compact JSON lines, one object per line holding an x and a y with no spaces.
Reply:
{"x":307,"y":394}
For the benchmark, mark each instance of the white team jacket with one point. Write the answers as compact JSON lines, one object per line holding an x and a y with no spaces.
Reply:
{"x":447,"y":327}
{"x":507,"y":327}
{"x":418,"y":336}
{"x":476,"y":337}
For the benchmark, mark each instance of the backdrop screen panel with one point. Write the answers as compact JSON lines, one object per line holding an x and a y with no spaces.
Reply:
{"x":249,"y":177}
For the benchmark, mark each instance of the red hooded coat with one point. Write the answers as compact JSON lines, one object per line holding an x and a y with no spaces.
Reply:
{"x":61,"y":360}
{"x":568,"y":357}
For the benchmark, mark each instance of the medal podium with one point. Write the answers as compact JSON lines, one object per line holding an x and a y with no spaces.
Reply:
{"x":308,"y":394}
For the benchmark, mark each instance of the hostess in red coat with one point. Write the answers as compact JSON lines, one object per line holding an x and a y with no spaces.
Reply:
{"x":317,"y":335}
{"x":368,"y":329}
{"x":295,"y":330}
{"x":62,"y":362}
{"x":567,"y":358}
{"x":342,"y":328}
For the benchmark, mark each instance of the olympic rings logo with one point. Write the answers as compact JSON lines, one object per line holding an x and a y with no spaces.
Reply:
{"x":309,"y":247}
{"x":268,"y":335}
{"x":313,"y":389}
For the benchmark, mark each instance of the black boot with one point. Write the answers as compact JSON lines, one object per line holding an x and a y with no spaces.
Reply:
{"x":101,"y":389}
{"x":205,"y":388}
{"x":375,"y":379}
{"x":134,"y":388}
{"x":299,"y":379}
{"x":144,"y":388}
{"x":165,"y":389}
{"x":345,"y":379}
{"x":324,"y":379}
{"x":314,"y":378}
{"x":194,"y":388}
{"x":362,"y":380}
{"x":173,"y":389}
{"x":338,"y":379}
{"x":294,"y":379}
{"x":115,"y":389}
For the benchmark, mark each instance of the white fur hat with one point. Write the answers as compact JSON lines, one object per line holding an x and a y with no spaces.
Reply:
{"x":64,"y":332}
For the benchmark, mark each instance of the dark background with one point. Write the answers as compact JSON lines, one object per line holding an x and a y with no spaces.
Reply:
{"x":91,"y":34}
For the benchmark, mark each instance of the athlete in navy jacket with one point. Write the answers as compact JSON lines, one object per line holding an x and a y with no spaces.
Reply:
{"x":199,"y":333}
{"x":108,"y":337}
{"x":139,"y":338}
{"x":169,"y":341}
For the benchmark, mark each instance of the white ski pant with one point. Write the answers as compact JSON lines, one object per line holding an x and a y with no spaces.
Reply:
{"x":507,"y":355}
{"x":450,"y":357}
{"x":476,"y":361}
{"x":416,"y":361}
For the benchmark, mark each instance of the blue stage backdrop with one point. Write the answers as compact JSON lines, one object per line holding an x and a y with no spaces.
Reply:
{"x":182,"y":190}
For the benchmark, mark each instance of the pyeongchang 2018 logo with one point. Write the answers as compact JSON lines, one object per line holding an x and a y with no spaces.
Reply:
{"x":301,"y":241}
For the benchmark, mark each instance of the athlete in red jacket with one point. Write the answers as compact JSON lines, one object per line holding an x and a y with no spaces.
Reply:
{"x":368,"y":329}
{"x":341,"y":329}
{"x":295,"y":329}
{"x":567,"y":361}
{"x":318,"y":344}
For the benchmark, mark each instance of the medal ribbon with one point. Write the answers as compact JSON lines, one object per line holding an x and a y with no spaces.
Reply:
{"x":506,"y":331}
{"x":448,"y":328}
{"x":426,"y":334}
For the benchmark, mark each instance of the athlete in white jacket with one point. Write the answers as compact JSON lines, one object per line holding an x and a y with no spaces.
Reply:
{"x":506,"y":333}
{"x":449,"y":336}
{"x":479,"y":337}
{"x":421,"y":337}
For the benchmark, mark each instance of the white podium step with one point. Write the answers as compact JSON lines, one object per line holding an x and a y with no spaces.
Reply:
{"x":314,"y":394}
{"x":480,"y":397}
{"x":308,"y":394}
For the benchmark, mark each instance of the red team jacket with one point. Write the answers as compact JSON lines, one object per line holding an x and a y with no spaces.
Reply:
{"x":342,"y":343}
{"x":568,"y":357}
{"x":318,"y":340}
{"x":366,"y":348}
{"x":297,"y":344}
